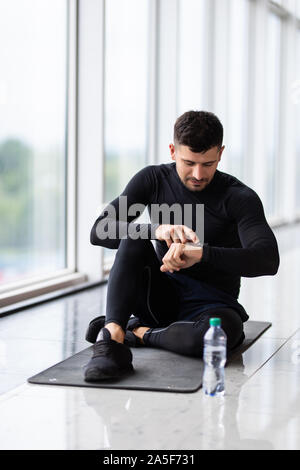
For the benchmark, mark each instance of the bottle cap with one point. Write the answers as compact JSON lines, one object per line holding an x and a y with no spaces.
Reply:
{"x":215,"y":321}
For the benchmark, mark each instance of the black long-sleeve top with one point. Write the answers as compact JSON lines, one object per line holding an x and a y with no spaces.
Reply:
{"x":237,"y":238}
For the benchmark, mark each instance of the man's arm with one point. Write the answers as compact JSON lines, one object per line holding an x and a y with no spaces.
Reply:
{"x":259,"y":254}
{"x":116,"y":220}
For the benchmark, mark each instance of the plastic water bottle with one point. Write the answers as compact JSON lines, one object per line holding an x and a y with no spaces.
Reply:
{"x":214,"y":357}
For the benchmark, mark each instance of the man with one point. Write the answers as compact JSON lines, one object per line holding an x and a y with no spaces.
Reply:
{"x":173,"y":290}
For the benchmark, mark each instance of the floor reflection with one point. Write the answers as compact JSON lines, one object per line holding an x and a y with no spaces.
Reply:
{"x":194,"y":421}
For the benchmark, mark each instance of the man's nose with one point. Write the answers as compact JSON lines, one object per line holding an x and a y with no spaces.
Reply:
{"x":198,"y":173}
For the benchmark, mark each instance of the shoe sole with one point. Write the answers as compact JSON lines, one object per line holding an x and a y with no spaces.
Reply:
{"x":94,"y":374}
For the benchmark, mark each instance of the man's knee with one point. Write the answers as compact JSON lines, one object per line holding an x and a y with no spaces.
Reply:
{"x":231,"y":324}
{"x":134,"y":248}
{"x":233,"y":327}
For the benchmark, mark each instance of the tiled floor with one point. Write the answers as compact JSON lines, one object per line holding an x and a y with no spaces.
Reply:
{"x":261,"y":408}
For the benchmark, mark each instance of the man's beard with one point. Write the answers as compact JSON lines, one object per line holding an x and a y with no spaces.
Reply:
{"x":202,"y":184}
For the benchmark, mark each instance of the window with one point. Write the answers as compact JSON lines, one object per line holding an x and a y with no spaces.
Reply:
{"x":298,"y":8}
{"x":296,"y":100}
{"x":126,"y":93}
{"x":33,"y":137}
{"x":272,"y":88}
{"x":193,"y":62}
{"x":237,"y":112}
{"x":141,"y":63}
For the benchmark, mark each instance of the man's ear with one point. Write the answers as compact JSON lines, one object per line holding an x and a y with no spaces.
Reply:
{"x":221,"y":151}
{"x":172,"y":151}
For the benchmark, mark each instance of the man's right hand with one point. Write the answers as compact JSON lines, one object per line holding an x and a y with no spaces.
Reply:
{"x":175,"y":234}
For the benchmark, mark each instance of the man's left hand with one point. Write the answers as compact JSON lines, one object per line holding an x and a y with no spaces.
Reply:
{"x":181,"y":256}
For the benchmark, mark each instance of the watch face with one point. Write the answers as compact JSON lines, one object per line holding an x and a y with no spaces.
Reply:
{"x":193,"y":246}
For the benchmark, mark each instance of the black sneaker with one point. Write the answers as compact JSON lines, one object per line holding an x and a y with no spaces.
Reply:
{"x":130,"y":339}
{"x":110,"y":359}
{"x":93,"y":329}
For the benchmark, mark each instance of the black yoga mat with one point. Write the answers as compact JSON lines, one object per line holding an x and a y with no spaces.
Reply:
{"x":154,"y":369}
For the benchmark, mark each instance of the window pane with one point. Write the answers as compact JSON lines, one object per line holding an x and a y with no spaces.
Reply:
{"x":296,"y":99}
{"x":33,"y":38}
{"x":191,"y":61}
{"x":290,"y":5}
{"x":236,"y":140}
{"x":126,"y":94}
{"x":126,"y":60}
{"x":272,"y":85}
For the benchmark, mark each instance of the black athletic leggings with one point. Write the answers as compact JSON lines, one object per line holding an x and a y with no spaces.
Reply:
{"x":137,"y":286}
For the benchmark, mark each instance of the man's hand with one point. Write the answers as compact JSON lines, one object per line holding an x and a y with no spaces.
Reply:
{"x":180,"y":256}
{"x":175,"y":234}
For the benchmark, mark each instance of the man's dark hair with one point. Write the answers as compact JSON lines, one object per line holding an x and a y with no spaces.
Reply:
{"x":198,"y":130}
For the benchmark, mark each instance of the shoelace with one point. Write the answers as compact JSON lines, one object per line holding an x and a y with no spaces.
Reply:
{"x":102,"y":347}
